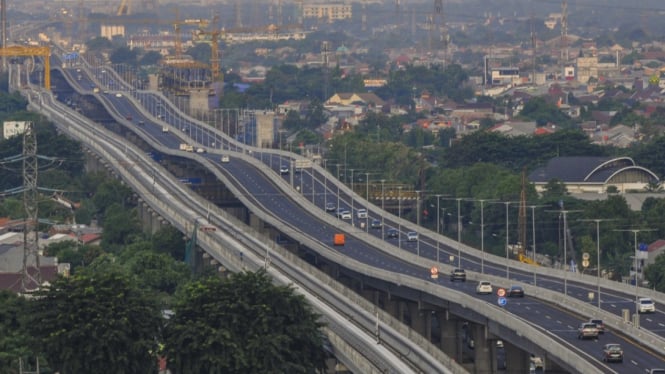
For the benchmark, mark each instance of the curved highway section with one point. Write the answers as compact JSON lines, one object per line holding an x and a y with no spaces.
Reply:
{"x":303,"y":214}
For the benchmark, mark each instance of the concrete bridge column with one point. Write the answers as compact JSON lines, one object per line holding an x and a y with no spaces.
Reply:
{"x":450,"y":339}
{"x":154,"y":221}
{"x":428,"y":315}
{"x":517,"y":360}
{"x":371,"y":295}
{"x":255,"y":222}
{"x":392,"y":307}
{"x":551,"y":367}
{"x":482,"y":352}
{"x":417,"y":319}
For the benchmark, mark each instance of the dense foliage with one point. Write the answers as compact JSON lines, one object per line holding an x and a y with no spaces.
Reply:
{"x":96,"y":322}
{"x":243,"y":325}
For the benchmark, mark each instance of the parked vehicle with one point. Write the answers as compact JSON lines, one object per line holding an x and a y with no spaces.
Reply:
{"x":392,"y":234}
{"x":411,"y":236}
{"x":330,"y":207}
{"x":225,"y":158}
{"x":361,"y":213}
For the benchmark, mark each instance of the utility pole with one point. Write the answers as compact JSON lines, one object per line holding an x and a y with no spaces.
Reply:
{"x":30,"y":198}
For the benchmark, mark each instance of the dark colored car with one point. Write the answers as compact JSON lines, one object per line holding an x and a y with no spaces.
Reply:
{"x":458,"y":275}
{"x":515,"y":291}
{"x":612,"y":353}
{"x":376,"y":224}
{"x":392,"y":234}
{"x":599,"y":325}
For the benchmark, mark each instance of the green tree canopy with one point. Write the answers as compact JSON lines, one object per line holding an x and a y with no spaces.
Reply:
{"x":96,"y":322}
{"x":243,"y":324}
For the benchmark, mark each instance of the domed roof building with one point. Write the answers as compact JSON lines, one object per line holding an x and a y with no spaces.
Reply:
{"x":594,"y":174}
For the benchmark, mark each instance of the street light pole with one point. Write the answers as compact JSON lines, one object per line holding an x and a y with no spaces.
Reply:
{"x":507,"y":259}
{"x":438,"y":223}
{"x":533,"y":238}
{"x":399,"y":215}
{"x":383,"y":196}
{"x":459,"y":234}
{"x":597,"y":221}
{"x":635,"y":231}
{"x":482,"y":236}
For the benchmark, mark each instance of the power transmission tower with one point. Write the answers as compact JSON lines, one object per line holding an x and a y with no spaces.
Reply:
{"x":522,"y":213}
{"x":30,"y":196}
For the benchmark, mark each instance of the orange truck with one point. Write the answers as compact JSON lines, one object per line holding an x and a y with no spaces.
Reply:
{"x":338,"y":239}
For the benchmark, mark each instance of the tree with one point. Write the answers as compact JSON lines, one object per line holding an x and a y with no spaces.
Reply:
{"x":124,"y":55}
{"x":243,"y":324}
{"x":96,"y":322}
{"x":150,"y":58}
{"x":655,"y":273}
{"x":15,"y":341}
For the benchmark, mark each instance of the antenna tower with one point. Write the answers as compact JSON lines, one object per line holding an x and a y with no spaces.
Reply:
{"x":3,"y":30}
{"x":30,"y":196}
{"x":533,"y":52}
{"x":564,"y":34}
{"x":325,"y":49}
{"x":236,"y":13}
{"x":363,"y":17}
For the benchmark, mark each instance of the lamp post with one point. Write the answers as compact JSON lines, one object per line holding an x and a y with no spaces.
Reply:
{"x":367,"y":185}
{"x":565,"y":247}
{"x":459,"y":233}
{"x":635,"y":231}
{"x":418,"y":208}
{"x":507,"y":259}
{"x":399,"y":215}
{"x":383,"y":196}
{"x":482,"y":236}
{"x":597,"y":221}
{"x":533,"y":237}
{"x":438,"y":224}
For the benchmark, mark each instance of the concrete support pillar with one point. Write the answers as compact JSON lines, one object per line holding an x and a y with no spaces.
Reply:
{"x":427,"y":316}
{"x":417,"y":318}
{"x":153,"y":221}
{"x":482,"y":354}
{"x":255,"y":222}
{"x":450,"y":339}
{"x":371,"y":295}
{"x":517,"y":360}
{"x":551,"y":367}
{"x":392,"y":307}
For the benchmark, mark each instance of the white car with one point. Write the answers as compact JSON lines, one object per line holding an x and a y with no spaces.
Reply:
{"x":284,"y":169}
{"x":484,"y":287}
{"x":225,"y":158}
{"x":345,"y":214}
{"x":411,"y":236}
{"x":361,"y":213}
{"x":646,"y":305}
